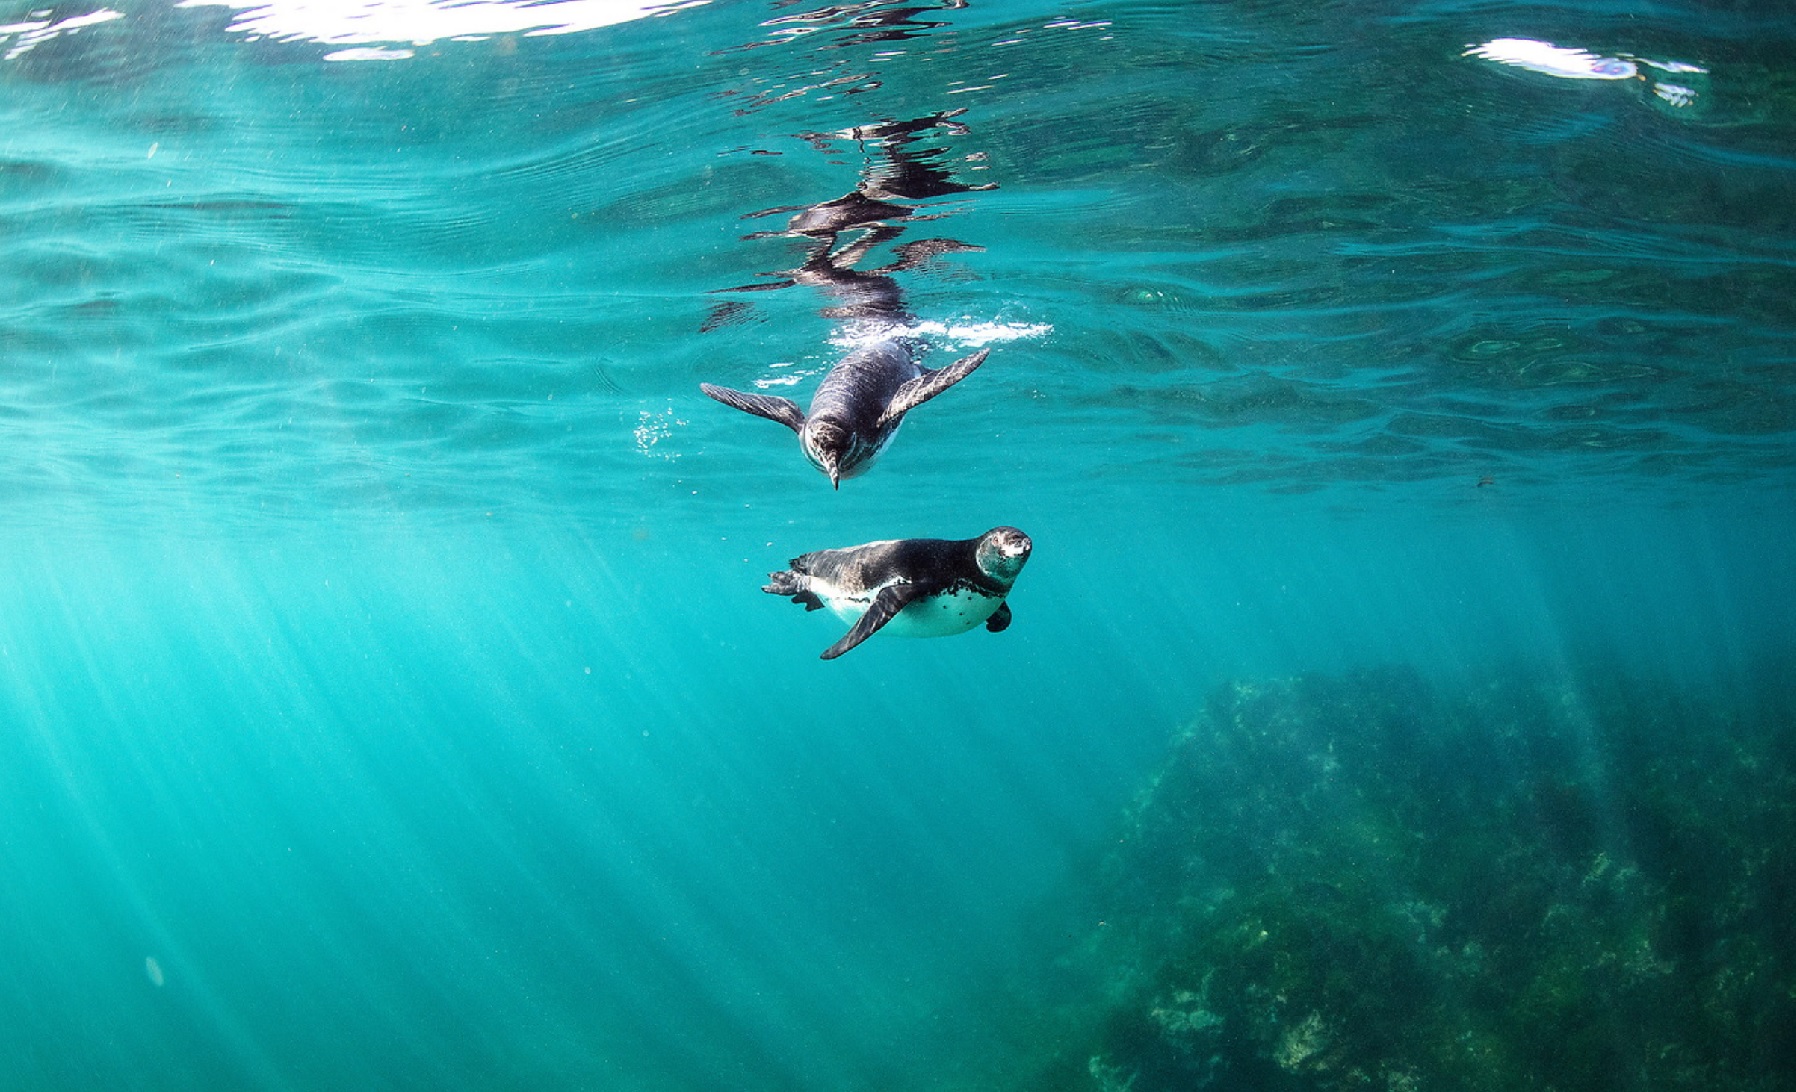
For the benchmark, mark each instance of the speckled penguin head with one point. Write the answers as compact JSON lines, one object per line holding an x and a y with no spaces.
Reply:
{"x":1002,"y":552}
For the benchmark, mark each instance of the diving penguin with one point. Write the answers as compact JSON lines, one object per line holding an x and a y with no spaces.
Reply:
{"x":913,"y":587}
{"x":858,"y":406}
{"x":866,"y":394}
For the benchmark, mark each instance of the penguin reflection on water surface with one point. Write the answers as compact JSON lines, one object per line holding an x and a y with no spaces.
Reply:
{"x":864,"y":397}
{"x":912,"y":587}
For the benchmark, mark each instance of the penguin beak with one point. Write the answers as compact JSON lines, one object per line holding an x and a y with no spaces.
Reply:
{"x":834,"y":472}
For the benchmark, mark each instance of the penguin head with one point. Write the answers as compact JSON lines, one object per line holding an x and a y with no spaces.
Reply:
{"x":1002,"y":552}
{"x":827,"y":444}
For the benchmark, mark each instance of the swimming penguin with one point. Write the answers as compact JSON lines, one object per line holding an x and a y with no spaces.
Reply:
{"x":858,"y":406}
{"x":867,"y":393}
{"x":913,"y":587}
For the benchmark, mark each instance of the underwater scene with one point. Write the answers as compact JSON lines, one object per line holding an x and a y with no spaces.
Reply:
{"x":944,"y":545}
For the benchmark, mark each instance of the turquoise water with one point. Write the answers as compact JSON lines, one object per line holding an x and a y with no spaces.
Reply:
{"x":387,"y":698}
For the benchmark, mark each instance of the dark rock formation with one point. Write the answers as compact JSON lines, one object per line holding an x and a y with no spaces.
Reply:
{"x":1362,"y":883}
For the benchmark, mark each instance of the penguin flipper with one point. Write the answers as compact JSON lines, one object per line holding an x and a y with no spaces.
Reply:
{"x":885,"y":607}
{"x":1000,"y":619}
{"x":928,"y":385}
{"x":783,"y":410}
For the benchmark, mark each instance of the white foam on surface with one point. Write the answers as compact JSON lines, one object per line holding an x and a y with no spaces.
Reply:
{"x":420,"y":22}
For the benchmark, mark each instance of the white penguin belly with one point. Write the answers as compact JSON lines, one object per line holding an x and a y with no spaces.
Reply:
{"x":937,"y":616}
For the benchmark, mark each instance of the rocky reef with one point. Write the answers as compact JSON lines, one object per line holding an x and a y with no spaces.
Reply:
{"x":1364,"y":882}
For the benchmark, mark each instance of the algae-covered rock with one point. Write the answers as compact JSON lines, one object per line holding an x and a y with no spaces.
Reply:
{"x":1361,"y":883}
